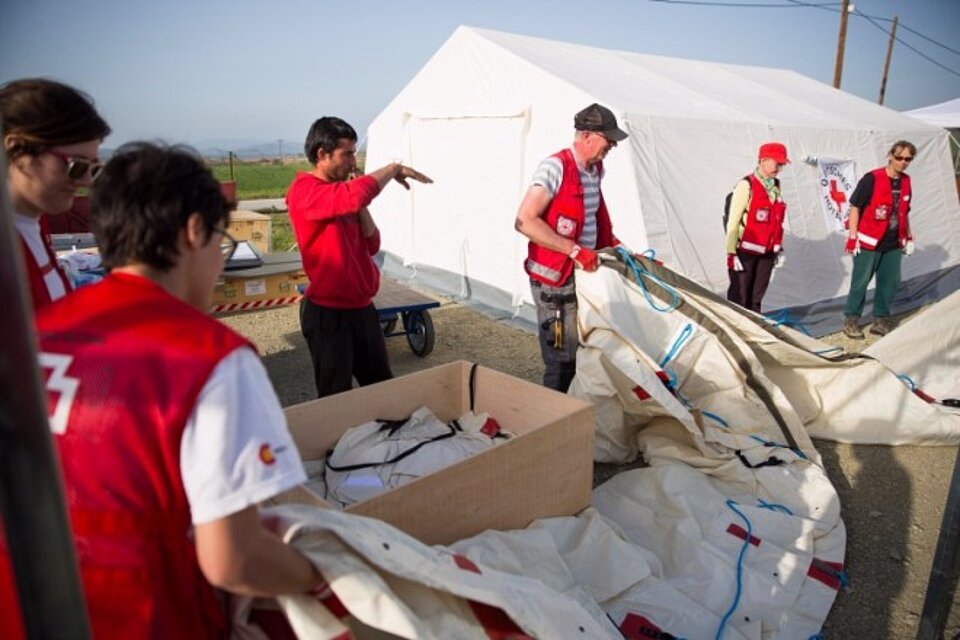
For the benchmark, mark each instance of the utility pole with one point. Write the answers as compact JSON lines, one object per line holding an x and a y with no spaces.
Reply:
{"x":280,"y":149}
{"x":841,"y":43}
{"x":886,"y":64}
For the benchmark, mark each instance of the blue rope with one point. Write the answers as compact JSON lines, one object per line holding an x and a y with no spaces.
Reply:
{"x":743,"y":551}
{"x":639,"y":273}
{"x":763,"y":504}
{"x":783,"y":317}
{"x":716,"y":418}
{"x":818,"y":636}
{"x":908,"y":381}
{"x":685,"y":334}
{"x":822,"y":352}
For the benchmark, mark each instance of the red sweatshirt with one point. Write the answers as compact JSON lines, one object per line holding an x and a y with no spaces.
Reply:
{"x":336,"y":257}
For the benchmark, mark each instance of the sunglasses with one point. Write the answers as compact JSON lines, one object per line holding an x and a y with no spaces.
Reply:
{"x":78,"y":168}
{"x":903,"y":158}
{"x":228,"y":244}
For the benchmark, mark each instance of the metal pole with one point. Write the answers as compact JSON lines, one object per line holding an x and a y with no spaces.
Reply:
{"x":943,"y":573}
{"x":886,"y":64}
{"x":230,"y":160}
{"x":841,"y":44}
{"x":31,"y":496}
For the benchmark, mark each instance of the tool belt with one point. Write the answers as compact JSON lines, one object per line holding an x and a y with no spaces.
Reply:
{"x":556,"y":301}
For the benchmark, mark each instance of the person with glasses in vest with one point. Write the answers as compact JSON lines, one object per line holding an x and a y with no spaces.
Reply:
{"x":168,"y":430}
{"x":564,"y":216}
{"x":755,"y":228}
{"x":51,"y":137}
{"x":878,"y":235}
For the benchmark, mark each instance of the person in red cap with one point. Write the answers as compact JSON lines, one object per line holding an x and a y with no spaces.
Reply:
{"x":878,"y":236}
{"x":755,"y":228}
{"x":565,"y":218}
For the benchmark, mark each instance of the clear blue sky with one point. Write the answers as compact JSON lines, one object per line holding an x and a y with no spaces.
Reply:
{"x":197,"y":70}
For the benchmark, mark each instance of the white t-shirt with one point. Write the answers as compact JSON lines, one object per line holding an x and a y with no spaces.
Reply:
{"x":29,"y":230}
{"x":236,"y":450}
{"x":549,"y":175}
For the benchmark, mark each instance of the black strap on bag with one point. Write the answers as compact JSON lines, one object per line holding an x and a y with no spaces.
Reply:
{"x":393,"y":426}
{"x":772,"y":461}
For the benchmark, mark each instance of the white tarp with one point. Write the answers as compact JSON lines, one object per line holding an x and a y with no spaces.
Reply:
{"x":944,"y":114}
{"x":732,"y":368}
{"x":489,"y":106}
{"x":926,"y":349}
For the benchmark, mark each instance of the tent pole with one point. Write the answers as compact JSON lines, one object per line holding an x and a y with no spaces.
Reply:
{"x":943,"y":573}
{"x":32,"y":508}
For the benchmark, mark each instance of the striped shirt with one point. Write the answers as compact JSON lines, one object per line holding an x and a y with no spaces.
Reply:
{"x":549,"y":175}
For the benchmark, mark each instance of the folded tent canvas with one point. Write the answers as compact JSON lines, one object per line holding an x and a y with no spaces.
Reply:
{"x":488,"y":106}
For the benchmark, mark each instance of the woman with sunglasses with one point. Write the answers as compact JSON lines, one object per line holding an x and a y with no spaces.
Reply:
{"x":51,"y":136}
{"x":878,"y":235}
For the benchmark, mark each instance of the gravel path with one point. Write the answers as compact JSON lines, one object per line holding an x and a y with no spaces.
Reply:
{"x":892,"y":497}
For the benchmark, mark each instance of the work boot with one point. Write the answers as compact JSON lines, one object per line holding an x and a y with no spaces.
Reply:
{"x":882,"y":326}
{"x":851,"y":328}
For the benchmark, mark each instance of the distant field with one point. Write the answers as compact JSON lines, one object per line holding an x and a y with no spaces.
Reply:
{"x":256,"y":180}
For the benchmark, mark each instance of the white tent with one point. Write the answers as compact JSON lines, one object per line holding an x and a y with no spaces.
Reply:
{"x":488,"y":106}
{"x":944,"y":114}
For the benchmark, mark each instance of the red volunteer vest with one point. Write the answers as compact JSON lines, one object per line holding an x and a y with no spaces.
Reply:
{"x":566,"y":216}
{"x":763,"y":221}
{"x":124,"y":363}
{"x":38,"y":288}
{"x":875,"y":217}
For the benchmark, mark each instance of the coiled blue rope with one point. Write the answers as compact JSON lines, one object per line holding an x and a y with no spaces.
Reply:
{"x":783,"y":317}
{"x":639,"y":273}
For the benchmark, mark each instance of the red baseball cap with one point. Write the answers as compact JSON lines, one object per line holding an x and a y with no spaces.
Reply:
{"x":775,"y":151}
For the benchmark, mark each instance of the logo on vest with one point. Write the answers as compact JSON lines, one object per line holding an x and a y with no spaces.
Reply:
{"x":763,"y":215}
{"x":881,"y":212}
{"x":268,"y":454}
{"x":566,"y":226}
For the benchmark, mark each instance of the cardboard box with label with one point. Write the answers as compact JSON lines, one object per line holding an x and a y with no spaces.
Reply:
{"x":546,"y":470}
{"x":251,"y":226}
{"x":277,"y":282}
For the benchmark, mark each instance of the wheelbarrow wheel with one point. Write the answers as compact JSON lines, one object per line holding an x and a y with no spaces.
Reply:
{"x":388,"y":325}
{"x":420,"y":334}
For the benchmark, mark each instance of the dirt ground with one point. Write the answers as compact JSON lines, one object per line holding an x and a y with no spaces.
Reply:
{"x":892,"y":498}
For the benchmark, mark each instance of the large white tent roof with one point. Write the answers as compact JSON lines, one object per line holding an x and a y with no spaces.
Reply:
{"x":944,"y":114}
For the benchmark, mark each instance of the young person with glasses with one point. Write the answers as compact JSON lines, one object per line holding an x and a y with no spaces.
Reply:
{"x":168,"y":430}
{"x":878,"y":236}
{"x":51,"y":136}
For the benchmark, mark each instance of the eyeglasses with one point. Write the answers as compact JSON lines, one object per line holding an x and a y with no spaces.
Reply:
{"x":610,"y":142}
{"x":228,"y":243}
{"x":78,"y":168}
{"x":903,"y":158}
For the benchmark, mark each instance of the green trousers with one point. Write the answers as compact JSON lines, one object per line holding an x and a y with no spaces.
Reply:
{"x":885,"y":265}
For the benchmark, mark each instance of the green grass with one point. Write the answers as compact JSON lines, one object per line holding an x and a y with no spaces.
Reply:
{"x":281,"y":232}
{"x":256,"y":180}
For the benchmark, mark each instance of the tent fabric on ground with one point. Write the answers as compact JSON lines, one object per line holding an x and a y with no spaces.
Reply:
{"x":926,"y":350}
{"x":489,"y":106}
{"x":656,"y":346}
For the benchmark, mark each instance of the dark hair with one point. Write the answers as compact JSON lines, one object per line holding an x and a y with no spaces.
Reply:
{"x":46,"y":113}
{"x":902,"y":144}
{"x":326,"y":134}
{"x":144,"y":197}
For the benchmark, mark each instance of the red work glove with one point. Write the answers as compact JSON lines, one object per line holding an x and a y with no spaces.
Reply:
{"x":853,"y":246}
{"x":733,"y":262}
{"x":585,"y":258}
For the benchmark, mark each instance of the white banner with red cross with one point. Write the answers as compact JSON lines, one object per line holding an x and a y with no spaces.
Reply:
{"x":837,"y":179}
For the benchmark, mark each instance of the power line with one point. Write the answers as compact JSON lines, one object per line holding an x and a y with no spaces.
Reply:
{"x":872,"y":21}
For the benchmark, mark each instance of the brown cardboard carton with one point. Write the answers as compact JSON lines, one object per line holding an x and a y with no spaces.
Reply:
{"x":251,"y":226}
{"x":545,"y":471}
{"x":278,"y":282}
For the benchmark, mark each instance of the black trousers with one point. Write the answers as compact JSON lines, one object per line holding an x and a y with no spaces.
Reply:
{"x":748,"y":287}
{"x":343,"y":344}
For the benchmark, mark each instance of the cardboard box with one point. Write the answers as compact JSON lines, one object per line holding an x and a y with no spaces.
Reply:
{"x":251,"y":226}
{"x":275,"y":283}
{"x":545,"y":471}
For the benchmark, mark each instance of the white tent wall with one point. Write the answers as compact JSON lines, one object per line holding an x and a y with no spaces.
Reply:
{"x":488,"y":106}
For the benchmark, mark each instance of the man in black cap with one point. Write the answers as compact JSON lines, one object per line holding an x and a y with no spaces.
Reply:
{"x":564,"y":216}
